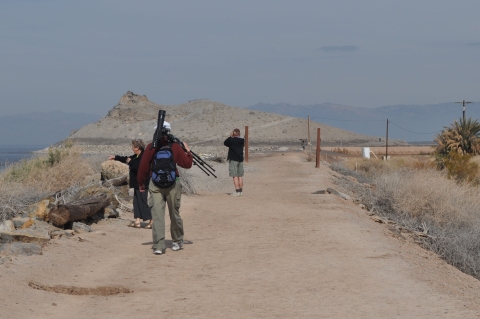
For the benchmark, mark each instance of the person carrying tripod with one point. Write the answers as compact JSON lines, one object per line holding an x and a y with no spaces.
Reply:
{"x":164,"y":193}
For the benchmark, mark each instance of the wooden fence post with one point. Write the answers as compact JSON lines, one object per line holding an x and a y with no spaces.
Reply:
{"x":246,"y":144}
{"x":317,"y":157}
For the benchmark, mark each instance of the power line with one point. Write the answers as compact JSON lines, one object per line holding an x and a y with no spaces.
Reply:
{"x":421,"y":133}
{"x":324,"y":118}
{"x":412,"y":131}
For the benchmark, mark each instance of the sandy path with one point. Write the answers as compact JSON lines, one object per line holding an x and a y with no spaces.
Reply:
{"x":276,"y":252}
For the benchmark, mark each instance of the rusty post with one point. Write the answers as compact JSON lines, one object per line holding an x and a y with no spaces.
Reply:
{"x":246,"y":144}
{"x":317,"y":164}
{"x":308,"y":133}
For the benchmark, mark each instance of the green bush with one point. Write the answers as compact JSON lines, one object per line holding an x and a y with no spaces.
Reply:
{"x":460,"y":167}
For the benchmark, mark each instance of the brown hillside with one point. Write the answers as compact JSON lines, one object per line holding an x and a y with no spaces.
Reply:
{"x":204,"y":121}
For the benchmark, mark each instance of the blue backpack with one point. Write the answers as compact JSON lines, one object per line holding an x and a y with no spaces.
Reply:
{"x":164,"y":167}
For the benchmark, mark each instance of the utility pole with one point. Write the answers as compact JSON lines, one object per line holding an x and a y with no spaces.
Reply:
{"x":246,"y":144}
{"x":463,"y":103}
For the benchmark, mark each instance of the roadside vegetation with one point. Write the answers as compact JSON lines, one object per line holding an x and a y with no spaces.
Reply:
{"x":61,"y":172}
{"x":437,"y":195}
{"x":28,"y":181}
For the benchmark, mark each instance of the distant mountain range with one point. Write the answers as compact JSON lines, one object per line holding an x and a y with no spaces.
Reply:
{"x":41,"y":128}
{"x":406,"y":122}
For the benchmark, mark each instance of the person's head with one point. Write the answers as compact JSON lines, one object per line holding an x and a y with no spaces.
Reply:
{"x":138,"y":146}
{"x":166,"y":127}
{"x":236,"y":132}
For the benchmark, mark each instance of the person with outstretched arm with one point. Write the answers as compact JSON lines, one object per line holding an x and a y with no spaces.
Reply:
{"x":141,"y":210}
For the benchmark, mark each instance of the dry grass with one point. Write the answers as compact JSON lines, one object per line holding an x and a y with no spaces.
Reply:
{"x":57,"y":170}
{"x":372,"y":166}
{"x":392,"y":150}
{"x":423,"y":199}
{"x":60,"y":173}
{"x":28,"y":181}
{"x":309,"y":155}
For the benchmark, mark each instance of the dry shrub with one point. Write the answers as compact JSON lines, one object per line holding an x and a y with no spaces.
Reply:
{"x":340,"y":150}
{"x":309,"y":156}
{"x":28,"y":181}
{"x":15,"y":197}
{"x":58,"y":170}
{"x":428,"y":195}
{"x":460,"y":167}
{"x":372,"y":167}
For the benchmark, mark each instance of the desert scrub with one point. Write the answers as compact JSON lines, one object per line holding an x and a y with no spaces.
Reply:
{"x":371,"y":167}
{"x":309,"y":155}
{"x":426,"y":200}
{"x":459,"y":167}
{"x":28,"y":181}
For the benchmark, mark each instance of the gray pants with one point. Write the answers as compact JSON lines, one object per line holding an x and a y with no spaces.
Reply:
{"x":170,"y":196}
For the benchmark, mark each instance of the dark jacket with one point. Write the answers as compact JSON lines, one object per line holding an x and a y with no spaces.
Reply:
{"x":182,"y":159}
{"x":235,"y":148}
{"x":133,"y":165}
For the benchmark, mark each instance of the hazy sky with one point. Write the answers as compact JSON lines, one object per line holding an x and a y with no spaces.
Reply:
{"x":84,"y":55}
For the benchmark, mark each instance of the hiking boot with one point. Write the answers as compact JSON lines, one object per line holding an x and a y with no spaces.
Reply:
{"x":236,"y":194}
{"x":159,"y":251}
{"x":177,"y":246}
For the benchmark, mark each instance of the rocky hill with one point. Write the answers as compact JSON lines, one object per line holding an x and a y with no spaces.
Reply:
{"x":204,"y":122}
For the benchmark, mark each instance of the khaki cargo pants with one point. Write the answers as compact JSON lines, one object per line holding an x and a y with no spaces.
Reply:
{"x":170,"y":196}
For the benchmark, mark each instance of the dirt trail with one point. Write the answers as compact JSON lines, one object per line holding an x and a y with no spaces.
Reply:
{"x":276,"y":252}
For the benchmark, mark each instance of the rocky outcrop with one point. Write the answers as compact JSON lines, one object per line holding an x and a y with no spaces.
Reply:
{"x":204,"y":121}
{"x":131,"y":97}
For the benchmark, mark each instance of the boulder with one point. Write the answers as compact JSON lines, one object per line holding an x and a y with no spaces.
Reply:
{"x":113,"y":169}
{"x":7,"y":225}
{"x":110,"y":212}
{"x":18,"y":221}
{"x":32,"y":231}
{"x":60,"y":233}
{"x":40,"y":209}
{"x":24,"y":236}
{"x":44,"y":228}
{"x":18,"y":248}
{"x":81,"y":228}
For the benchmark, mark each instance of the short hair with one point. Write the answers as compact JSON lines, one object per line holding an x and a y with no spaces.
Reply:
{"x":237,"y":132}
{"x":138,"y":143}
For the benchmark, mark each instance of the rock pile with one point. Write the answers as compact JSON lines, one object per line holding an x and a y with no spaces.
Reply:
{"x":30,"y":230}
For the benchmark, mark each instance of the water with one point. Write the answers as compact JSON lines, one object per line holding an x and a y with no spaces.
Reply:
{"x":10,"y":154}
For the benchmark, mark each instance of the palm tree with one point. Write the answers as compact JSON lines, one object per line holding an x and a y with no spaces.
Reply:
{"x":462,"y":137}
